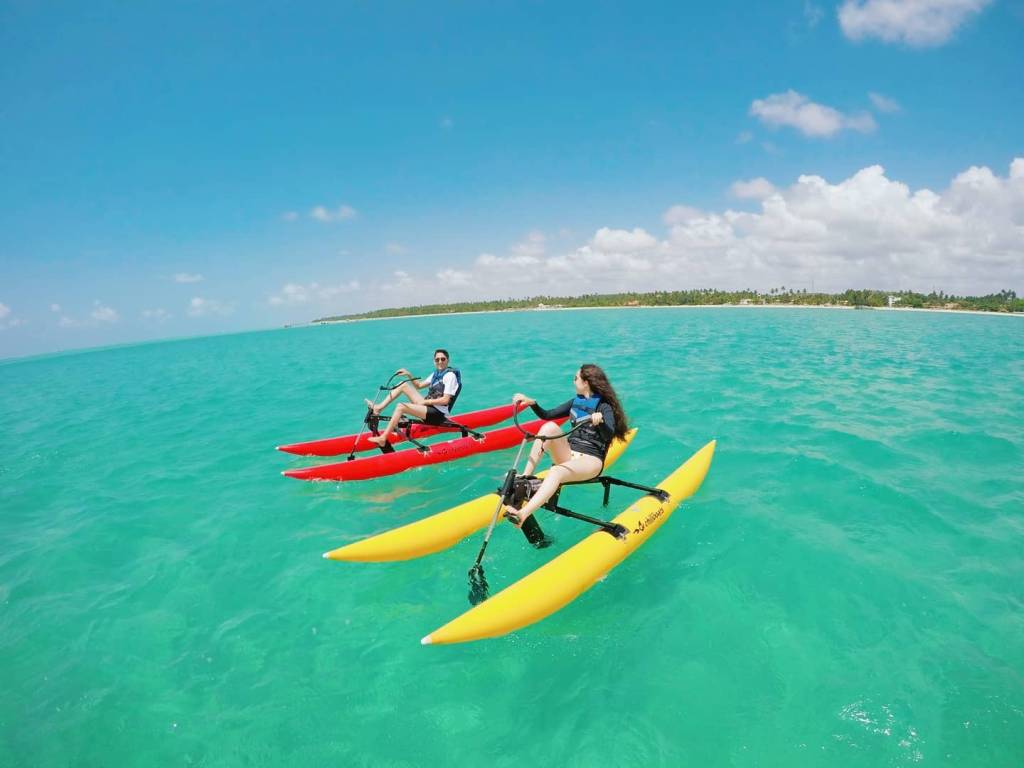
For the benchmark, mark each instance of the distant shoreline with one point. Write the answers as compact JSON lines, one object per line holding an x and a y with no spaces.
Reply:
{"x":941,"y":310}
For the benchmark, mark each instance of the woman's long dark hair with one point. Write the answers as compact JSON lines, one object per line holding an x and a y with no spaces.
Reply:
{"x":601,"y":387}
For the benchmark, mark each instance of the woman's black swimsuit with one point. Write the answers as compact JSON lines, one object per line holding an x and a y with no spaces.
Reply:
{"x":588,"y":439}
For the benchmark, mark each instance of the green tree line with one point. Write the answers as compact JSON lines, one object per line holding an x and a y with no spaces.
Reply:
{"x":1004,"y":301}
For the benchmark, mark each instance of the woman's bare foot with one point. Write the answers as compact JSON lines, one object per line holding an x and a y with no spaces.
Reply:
{"x":378,"y":440}
{"x":514,"y":516}
{"x":375,"y":407}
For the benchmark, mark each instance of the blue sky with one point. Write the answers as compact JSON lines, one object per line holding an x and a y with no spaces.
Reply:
{"x":181,"y":169}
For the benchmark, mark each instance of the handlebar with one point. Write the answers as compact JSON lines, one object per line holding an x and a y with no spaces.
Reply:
{"x":576,"y":424}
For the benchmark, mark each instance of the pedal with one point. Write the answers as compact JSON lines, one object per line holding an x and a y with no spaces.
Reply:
{"x":534,"y":534}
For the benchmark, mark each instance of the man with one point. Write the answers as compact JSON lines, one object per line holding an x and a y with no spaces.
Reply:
{"x":443,"y":388}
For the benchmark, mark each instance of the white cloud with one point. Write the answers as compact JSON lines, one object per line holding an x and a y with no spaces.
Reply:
{"x":103,"y":314}
{"x":533,"y":245}
{"x":295,"y":293}
{"x":813,"y":14}
{"x":159,"y":315}
{"x":862,"y":122}
{"x":402,"y":280}
{"x":396,"y":249}
{"x":622,"y":241}
{"x":918,"y":23}
{"x":99,"y":315}
{"x":744,"y":137}
{"x":811,"y":119}
{"x":680,"y":214}
{"x":454,"y":277}
{"x":866,"y":230}
{"x":507,"y":272}
{"x":323,"y":214}
{"x":187,"y":277}
{"x":869,"y":229}
{"x":5,"y":312}
{"x":200,"y":307}
{"x":754,"y":189}
{"x":291,"y":293}
{"x":884,"y":103}
{"x":330,"y":291}
{"x":341,"y":213}
{"x":513,"y":263}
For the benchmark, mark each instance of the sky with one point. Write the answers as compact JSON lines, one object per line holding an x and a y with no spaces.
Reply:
{"x":182,"y":169}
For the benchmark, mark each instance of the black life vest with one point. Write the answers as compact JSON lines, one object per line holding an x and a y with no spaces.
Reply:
{"x":436,"y":387}
{"x":588,"y":438}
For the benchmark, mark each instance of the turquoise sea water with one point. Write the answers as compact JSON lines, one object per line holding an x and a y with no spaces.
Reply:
{"x":846,"y":589}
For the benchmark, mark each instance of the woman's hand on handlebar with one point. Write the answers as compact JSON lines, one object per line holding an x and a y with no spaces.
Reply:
{"x":596,"y":418}
{"x":519,"y":397}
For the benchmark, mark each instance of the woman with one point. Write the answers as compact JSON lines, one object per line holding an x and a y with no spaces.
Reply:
{"x":579,"y":456}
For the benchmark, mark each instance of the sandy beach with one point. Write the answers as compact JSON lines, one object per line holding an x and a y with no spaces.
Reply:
{"x":680,"y":306}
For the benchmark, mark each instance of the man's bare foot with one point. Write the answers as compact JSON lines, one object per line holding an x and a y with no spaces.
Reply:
{"x":378,"y":439}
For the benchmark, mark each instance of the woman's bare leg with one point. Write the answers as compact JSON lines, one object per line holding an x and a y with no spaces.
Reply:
{"x":576,"y":469}
{"x":558,"y":448}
